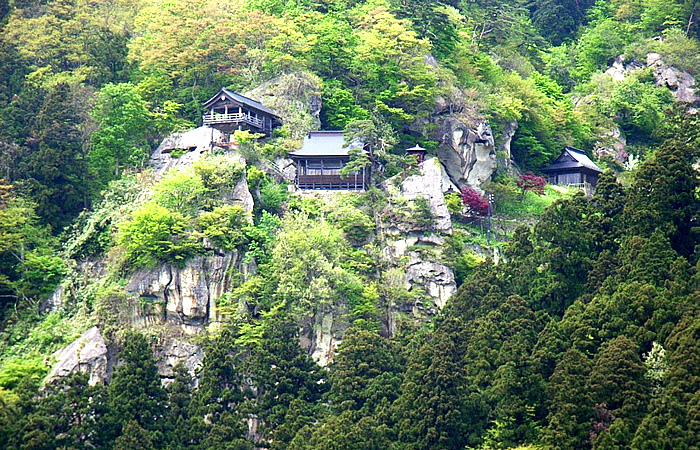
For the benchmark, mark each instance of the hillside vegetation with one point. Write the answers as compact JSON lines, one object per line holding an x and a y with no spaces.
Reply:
{"x":579,"y":328}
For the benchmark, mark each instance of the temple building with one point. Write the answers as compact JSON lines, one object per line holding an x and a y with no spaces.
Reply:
{"x":229,"y":111}
{"x":573,"y":168}
{"x":320,"y":159}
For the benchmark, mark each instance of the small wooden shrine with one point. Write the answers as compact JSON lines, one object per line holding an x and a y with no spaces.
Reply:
{"x":320,"y":159}
{"x":229,"y":111}
{"x":419,"y":151}
{"x":573,"y":168}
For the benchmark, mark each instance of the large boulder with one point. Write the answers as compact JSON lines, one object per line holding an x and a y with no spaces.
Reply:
{"x":88,"y":354}
{"x":194,"y":143}
{"x":681,"y":84}
{"x":467,"y":150}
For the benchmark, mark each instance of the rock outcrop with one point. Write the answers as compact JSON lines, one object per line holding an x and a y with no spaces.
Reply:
{"x":418,"y":253}
{"x":88,"y":354}
{"x":467,"y":151}
{"x":431,"y":184}
{"x":186,"y":296}
{"x":195,"y":143}
{"x":296,"y":97}
{"x":681,"y":84}
{"x":173,"y":351}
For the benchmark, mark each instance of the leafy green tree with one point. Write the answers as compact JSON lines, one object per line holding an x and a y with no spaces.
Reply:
{"x":181,"y":191}
{"x":119,"y":141}
{"x":155,"y":234}
{"x":558,"y":20}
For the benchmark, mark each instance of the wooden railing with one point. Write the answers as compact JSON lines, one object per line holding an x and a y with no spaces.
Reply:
{"x":353,"y":182}
{"x":210,"y":119}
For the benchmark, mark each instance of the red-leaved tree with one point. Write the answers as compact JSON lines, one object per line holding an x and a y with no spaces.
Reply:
{"x":474,"y":202}
{"x":531,"y":182}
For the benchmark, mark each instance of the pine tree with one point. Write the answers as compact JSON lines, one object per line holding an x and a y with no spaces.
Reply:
{"x":435,"y":409}
{"x":617,"y":380}
{"x":134,"y":437}
{"x":215,"y":413}
{"x":282,"y":374}
{"x":663,"y":195}
{"x":570,"y":405}
{"x":55,"y":170}
{"x":362,"y":357}
{"x":178,"y":419}
{"x":672,"y":421}
{"x":135,"y":392}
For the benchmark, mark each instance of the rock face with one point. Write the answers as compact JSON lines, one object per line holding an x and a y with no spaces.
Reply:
{"x":612,"y":144}
{"x":431,"y":185}
{"x":196,"y":142}
{"x":467,"y":151}
{"x":422,"y":248}
{"x":88,"y":354}
{"x":681,"y":84}
{"x":296,"y":97}
{"x":322,"y":335}
{"x":186,"y":296}
{"x":174,"y":351}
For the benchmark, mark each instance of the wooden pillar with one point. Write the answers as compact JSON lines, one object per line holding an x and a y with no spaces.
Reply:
{"x":226,"y":109}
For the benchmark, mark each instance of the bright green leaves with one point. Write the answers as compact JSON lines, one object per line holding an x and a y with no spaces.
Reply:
{"x":181,"y":191}
{"x":119,"y":142}
{"x":225,"y":226}
{"x":155,"y":235}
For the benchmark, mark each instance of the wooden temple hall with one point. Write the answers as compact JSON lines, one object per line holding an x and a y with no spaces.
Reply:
{"x":229,"y":111}
{"x":320,"y":159}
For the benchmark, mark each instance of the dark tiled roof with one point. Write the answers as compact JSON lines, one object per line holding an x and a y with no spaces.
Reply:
{"x":241,"y":99}
{"x":325,"y":143}
{"x":572,"y":158}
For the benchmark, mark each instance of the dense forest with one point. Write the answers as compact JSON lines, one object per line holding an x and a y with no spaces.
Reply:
{"x":575,"y":326}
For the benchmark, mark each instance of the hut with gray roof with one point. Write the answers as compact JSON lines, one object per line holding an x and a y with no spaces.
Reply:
{"x":320,"y":159}
{"x":229,"y":111}
{"x":573,"y":168}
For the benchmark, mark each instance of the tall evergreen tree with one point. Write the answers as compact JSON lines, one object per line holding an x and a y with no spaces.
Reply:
{"x":55,"y":169}
{"x":135,"y":392}
{"x":570,"y":405}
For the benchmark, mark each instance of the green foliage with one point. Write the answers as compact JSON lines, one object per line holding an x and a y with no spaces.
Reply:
{"x":16,"y":370}
{"x":340,"y":108}
{"x":509,"y":201}
{"x":225,"y":226}
{"x":119,"y":142}
{"x":454,"y":202}
{"x":273,"y":195}
{"x":135,"y":392}
{"x":154,"y":235}
{"x":179,"y":190}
